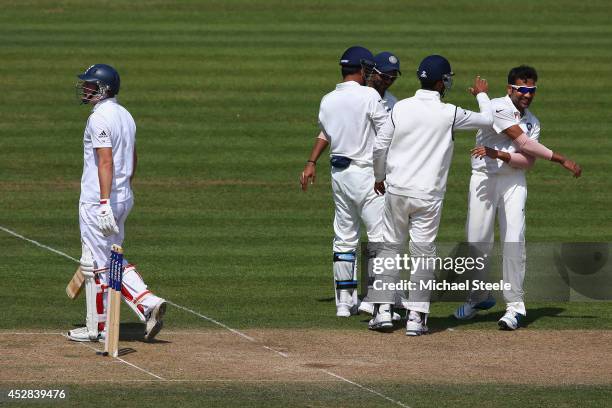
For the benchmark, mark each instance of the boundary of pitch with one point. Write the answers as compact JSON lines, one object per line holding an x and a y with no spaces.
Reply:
{"x":202,"y":316}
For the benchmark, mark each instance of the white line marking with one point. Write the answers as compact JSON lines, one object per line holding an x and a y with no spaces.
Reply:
{"x":210,"y":319}
{"x":237,"y":332}
{"x":365,"y":388}
{"x":31,"y":241}
{"x":118,"y":358}
{"x":276,"y":351}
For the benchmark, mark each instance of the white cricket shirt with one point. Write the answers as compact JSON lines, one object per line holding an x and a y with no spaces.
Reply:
{"x":505,"y":115}
{"x":349,"y":117}
{"x":389,"y":100}
{"x":414,"y":148}
{"x":109,"y":125}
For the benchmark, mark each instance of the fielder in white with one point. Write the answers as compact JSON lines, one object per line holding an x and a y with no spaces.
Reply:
{"x":386,"y":70}
{"x":349,"y":118}
{"x":412,"y":154}
{"x":498,"y":187}
{"x":106,"y":200}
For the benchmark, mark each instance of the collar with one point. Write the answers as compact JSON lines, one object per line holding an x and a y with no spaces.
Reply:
{"x":427,"y":94}
{"x":347,"y":84}
{"x":103,"y":101}
{"x":514,"y":108}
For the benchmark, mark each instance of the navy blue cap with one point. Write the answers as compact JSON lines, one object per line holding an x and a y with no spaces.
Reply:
{"x":387,"y":61}
{"x":353,"y":56}
{"x":434,"y":68}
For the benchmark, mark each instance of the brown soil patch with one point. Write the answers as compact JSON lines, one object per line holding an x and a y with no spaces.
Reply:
{"x":522,"y":357}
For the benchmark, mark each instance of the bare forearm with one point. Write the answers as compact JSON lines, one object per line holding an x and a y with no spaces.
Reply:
{"x":318,"y":148}
{"x":503,"y":156}
{"x":557,"y":158}
{"x":105,"y":177}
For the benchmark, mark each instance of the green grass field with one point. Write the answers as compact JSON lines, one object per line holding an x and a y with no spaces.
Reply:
{"x":225,"y":95}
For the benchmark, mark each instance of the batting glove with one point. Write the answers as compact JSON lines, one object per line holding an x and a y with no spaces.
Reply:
{"x":106,"y":219}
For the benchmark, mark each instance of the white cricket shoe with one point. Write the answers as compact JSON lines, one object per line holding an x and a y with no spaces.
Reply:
{"x":469,"y":309}
{"x":383,"y":320}
{"x":368,"y":307}
{"x":345,"y":307}
{"x":511,"y":320}
{"x":417,"y":324}
{"x":82,"y":334}
{"x":343,"y":311}
{"x":154,"y":322}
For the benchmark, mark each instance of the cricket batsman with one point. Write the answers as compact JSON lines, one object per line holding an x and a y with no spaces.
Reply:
{"x":109,"y":164}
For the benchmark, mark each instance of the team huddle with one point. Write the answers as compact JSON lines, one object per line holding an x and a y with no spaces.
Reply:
{"x":389,"y":167}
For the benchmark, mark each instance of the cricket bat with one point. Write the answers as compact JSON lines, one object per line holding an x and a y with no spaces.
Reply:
{"x":76,"y":284}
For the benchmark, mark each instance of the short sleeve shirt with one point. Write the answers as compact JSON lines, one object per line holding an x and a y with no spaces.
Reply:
{"x":109,"y":126}
{"x":505,"y":115}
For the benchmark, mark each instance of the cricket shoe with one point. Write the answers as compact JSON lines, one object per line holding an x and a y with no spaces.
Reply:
{"x":511,"y":320}
{"x":468,"y":310}
{"x":416,"y":324}
{"x":82,"y":334}
{"x":154,"y":322}
{"x":368,"y":307}
{"x":383,"y":319}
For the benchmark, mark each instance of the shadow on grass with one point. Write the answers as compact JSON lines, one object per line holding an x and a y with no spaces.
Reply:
{"x":439,"y":323}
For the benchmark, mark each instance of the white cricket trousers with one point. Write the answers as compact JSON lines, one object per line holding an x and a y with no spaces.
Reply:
{"x":134,"y":289}
{"x":418,"y":219}
{"x":503,"y":195}
{"x":355,"y":201}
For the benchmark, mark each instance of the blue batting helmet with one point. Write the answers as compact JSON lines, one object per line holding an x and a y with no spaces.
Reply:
{"x":103,"y":74}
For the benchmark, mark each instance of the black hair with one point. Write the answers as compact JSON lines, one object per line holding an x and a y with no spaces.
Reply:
{"x":523,"y":72}
{"x":428,"y":85}
{"x":350,"y":70}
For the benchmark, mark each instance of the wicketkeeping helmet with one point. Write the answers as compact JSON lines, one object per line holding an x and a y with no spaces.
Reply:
{"x":104,"y":77}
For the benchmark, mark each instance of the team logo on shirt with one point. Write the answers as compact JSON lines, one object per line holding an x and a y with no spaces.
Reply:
{"x":103,"y":135}
{"x":529,"y":126}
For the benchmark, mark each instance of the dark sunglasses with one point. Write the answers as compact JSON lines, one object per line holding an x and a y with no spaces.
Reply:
{"x":525,"y":89}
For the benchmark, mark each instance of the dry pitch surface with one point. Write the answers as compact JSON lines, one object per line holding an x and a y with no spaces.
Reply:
{"x":459,"y":356}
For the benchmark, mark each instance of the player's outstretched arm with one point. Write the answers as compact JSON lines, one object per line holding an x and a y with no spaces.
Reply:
{"x":465,"y":119}
{"x":533,"y":148}
{"x":310,"y":169}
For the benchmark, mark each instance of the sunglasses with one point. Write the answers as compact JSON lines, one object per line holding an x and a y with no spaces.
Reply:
{"x":525,"y":89}
{"x":386,"y":77}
